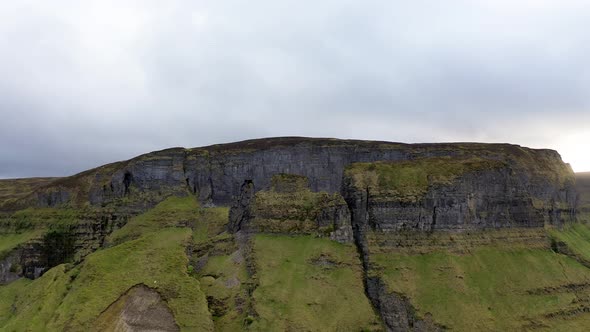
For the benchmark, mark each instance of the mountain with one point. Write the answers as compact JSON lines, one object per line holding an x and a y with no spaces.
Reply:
{"x":301,"y":234}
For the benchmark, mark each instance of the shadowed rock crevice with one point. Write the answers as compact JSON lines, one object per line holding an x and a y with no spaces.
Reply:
{"x":127,"y":180}
{"x":240,"y":213}
{"x":395,"y":310}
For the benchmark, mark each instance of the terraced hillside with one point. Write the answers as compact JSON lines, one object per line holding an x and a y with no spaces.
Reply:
{"x":297,"y":234}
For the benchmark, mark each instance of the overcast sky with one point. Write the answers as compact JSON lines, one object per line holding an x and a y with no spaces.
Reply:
{"x":83,"y":83}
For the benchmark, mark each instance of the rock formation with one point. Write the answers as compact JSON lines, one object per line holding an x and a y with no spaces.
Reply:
{"x":375,"y":195}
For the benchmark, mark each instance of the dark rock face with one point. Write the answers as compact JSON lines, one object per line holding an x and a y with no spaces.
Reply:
{"x":59,"y":245}
{"x":498,"y":197}
{"x":583,"y":189}
{"x":10,"y":268}
{"x":23,"y":261}
{"x":290,"y":207}
{"x":481,"y":200}
{"x":240,"y":213}
{"x":396,"y":311}
{"x":216,"y":173}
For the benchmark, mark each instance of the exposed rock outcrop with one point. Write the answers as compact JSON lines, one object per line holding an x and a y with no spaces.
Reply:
{"x":140,"y":309}
{"x":455,"y":195}
{"x":397,"y":313}
{"x":57,"y":244}
{"x":290,"y":207}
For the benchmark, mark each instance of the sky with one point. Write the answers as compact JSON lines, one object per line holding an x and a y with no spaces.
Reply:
{"x":84,"y":83}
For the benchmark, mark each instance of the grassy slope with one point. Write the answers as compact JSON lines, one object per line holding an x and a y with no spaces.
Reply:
{"x":157,"y":260}
{"x":296,"y":294}
{"x":10,"y":241}
{"x":156,"y":257}
{"x":488,"y":289}
{"x":223,"y":278}
{"x":29,"y":305}
{"x":25,"y":225}
{"x":12,"y":189}
{"x":172,"y":212}
{"x":577,"y":238}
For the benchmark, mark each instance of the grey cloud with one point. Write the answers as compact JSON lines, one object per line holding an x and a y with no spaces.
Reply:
{"x":82,"y":84}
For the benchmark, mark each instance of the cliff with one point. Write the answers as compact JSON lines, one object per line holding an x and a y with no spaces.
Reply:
{"x":583,"y":189}
{"x":216,"y":173}
{"x":298,"y":233}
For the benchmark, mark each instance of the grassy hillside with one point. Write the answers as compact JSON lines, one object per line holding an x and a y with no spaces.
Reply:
{"x":14,"y":189}
{"x":496,"y":288}
{"x":212,"y":280}
{"x":156,"y":256}
{"x":309,"y":284}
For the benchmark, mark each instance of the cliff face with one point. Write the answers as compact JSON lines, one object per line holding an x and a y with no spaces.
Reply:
{"x":376,"y":198}
{"x":583,"y":189}
{"x":216,"y":173}
{"x":455,"y":195}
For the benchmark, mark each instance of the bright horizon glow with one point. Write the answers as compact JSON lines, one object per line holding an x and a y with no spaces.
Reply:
{"x":574,"y":150}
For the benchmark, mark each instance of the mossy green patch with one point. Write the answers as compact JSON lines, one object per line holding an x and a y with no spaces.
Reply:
{"x":224,"y":280}
{"x":41,"y":218}
{"x":289,"y":183}
{"x":309,"y":284}
{"x":409,"y":180}
{"x":29,"y":305}
{"x":8,"y":242}
{"x":291,"y":207}
{"x":19,"y":188}
{"x":157,"y":260}
{"x":73,"y":299}
{"x":223,"y":277}
{"x":210,"y":222}
{"x":492,"y":288}
{"x":25,"y":225}
{"x":577,"y":238}
{"x":172,"y":212}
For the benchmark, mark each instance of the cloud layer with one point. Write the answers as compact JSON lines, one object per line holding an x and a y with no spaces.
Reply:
{"x":86,"y":83}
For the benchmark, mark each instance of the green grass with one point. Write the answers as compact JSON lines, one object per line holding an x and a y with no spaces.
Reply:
{"x":294,"y":293}
{"x":289,"y":182}
{"x":18,"y":188}
{"x":73,"y":300}
{"x":487,"y":289}
{"x":25,"y":225}
{"x":172,"y":212}
{"x":210,"y":222}
{"x":409,"y":180}
{"x":157,"y":260}
{"x":576,"y":236}
{"x":29,"y":305}
{"x":41,"y":218}
{"x":291,"y":207}
{"x":10,"y":241}
{"x":225,"y":279}
{"x":151,"y":249}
